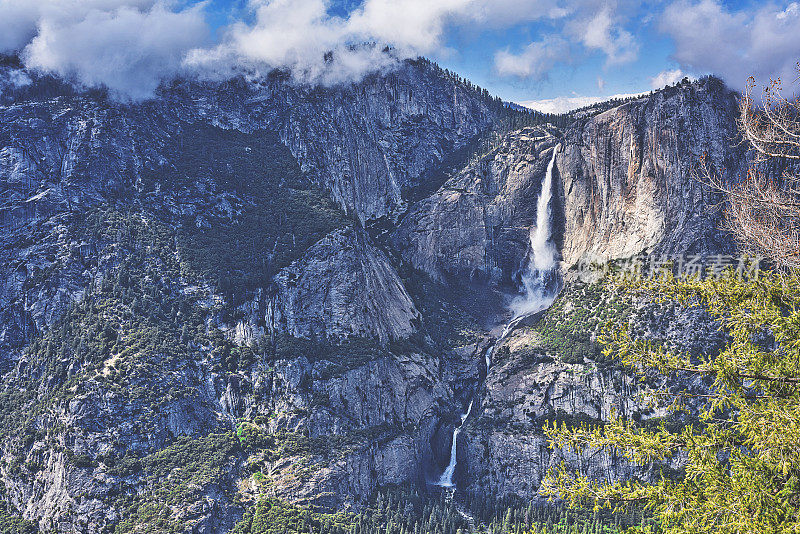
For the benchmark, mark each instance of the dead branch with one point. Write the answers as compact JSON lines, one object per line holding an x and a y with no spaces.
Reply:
{"x":763,"y":211}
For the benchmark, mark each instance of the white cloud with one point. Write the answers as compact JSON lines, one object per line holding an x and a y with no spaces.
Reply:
{"x":666,"y":77}
{"x":127,"y":50}
{"x":709,"y":37}
{"x":601,"y":84}
{"x":420,"y":24}
{"x":414,"y":26}
{"x":585,"y":24}
{"x":20,"y":19}
{"x":564,"y":104}
{"x":297,"y":34}
{"x":603,"y":32}
{"x":131,"y":45}
{"x":128,"y":46}
{"x":535,"y":61}
{"x":505,"y":13}
{"x":301,"y":35}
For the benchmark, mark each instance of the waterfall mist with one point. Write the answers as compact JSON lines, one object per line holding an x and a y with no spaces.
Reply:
{"x":537,"y":277}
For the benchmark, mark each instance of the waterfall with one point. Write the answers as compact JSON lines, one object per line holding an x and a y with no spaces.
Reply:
{"x":538,"y":294}
{"x":542,"y":256}
{"x":446,"y":480}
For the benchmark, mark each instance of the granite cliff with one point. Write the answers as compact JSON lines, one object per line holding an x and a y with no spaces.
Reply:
{"x":632,"y":176}
{"x":250,"y":288}
{"x":629,"y":182}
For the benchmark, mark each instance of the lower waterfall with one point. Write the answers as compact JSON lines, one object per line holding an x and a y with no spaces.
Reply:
{"x":538,"y":295}
{"x":446,"y":480}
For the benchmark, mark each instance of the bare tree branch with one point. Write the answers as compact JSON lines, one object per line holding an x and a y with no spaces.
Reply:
{"x":763,"y":211}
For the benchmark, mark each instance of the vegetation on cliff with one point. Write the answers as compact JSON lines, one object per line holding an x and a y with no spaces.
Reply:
{"x":739,"y":464}
{"x":572,"y":325}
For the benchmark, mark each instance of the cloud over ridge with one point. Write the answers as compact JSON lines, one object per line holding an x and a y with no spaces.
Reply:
{"x":131,"y":46}
{"x":709,"y":37}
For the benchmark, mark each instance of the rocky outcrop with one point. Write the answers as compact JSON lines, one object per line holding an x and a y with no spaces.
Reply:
{"x":382,"y":413}
{"x":504,"y":449}
{"x":367,"y":143}
{"x":632,"y":178}
{"x":476,"y":226}
{"x":371,"y":142}
{"x":347,"y":419}
{"x":343,"y":286}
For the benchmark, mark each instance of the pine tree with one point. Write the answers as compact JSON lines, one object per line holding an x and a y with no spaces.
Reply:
{"x":741,"y":458}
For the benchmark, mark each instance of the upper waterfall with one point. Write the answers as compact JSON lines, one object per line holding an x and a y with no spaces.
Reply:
{"x":542,"y":255}
{"x":543,"y":252}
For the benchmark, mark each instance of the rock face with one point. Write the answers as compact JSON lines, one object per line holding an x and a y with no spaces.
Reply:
{"x":343,"y":287}
{"x":504,"y":451}
{"x":246,"y":288}
{"x":476,"y":226}
{"x":628,"y":182}
{"x":632,"y":176}
{"x":386,"y":409}
{"x":366,"y":143}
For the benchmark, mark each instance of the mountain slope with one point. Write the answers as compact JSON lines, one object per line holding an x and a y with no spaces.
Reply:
{"x":247,"y":288}
{"x":633,"y":179}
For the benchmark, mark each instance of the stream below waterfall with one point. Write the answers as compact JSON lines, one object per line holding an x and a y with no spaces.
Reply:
{"x":538,"y":295}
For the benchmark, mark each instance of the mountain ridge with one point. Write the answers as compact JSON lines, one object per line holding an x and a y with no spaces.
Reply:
{"x":233,"y":291}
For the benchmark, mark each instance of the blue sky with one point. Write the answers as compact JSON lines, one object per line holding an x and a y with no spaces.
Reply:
{"x":471,"y":47}
{"x":550,"y":54}
{"x":470,"y":50}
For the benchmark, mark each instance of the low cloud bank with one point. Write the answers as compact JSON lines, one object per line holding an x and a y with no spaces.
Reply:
{"x":564,"y":104}
{"x":130,"y":46}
